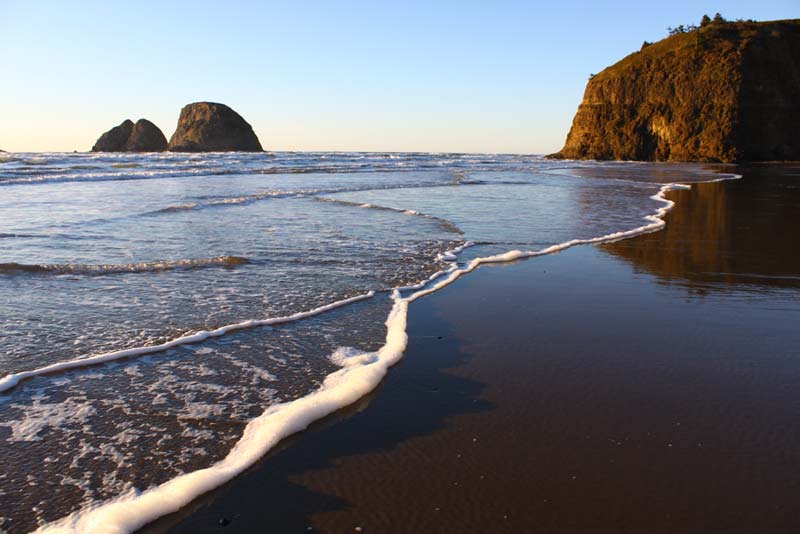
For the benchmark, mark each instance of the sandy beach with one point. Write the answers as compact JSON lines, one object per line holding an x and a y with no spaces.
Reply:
{"x":643,"y":386}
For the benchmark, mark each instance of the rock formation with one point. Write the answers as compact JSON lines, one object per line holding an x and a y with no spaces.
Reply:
{"x":144,"y":136}
{"x":727,"y":91}
{"x":211,"y":127}
{"x":115,"y":139}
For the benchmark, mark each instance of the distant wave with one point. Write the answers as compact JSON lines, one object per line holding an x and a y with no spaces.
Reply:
{"x":125,"y":165}
{"x":32,"y":169}
{"x":36,"y":161}
{"x":176,"y":208}
{"x":450,"y":226}
{"x":12,"y":236}
{"x":214,"y":202}
{"x":143,"y":267}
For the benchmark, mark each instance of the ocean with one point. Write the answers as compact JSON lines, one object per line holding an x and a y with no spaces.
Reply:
{"x":168,"y":318}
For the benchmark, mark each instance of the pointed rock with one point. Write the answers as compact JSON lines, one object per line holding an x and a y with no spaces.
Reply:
{"x":212,"y":127}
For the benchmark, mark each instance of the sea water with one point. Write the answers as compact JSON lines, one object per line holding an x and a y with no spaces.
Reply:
{"x":165,"y":319}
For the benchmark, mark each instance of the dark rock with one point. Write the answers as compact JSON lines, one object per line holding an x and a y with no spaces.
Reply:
{"x":115,"y":139}
{"x":211,"y":127}
{"x":728,"y":91}
{"x":144,"y":136}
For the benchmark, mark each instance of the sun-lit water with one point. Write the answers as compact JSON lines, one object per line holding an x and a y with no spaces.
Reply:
{"x":106,"y":252}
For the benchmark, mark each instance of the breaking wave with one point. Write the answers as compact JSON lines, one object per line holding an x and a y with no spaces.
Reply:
{"x":450,"y":226}
{"x":142,"y":267}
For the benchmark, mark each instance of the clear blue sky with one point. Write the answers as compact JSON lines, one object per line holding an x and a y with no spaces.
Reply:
{"x":488,"y":76}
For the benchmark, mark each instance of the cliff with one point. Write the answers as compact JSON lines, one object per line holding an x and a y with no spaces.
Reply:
{"x":144,"y":136}
{"x":728,"y":91}
{"x":212,"y":127}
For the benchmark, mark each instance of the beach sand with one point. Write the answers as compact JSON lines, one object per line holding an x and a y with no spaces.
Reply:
{"x":651,"y":385}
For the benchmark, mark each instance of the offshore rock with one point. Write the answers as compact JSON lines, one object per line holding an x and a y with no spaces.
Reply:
{"x":144,"y":136}
{"x":727,"y":91}
{"x":115,"y":139}
{"x":212,"y":127}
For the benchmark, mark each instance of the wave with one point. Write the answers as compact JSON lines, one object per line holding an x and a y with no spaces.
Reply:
{"x":176,"y":208}
{"x":12,"y":236}
{"x":143,"y":267}
{"x":11,"y":380}
{"x":57,"y":168}
{"x":359,"y":374}
{"x":215,"y":202}
{"x":448,"y":225}
{"x":36,"y":161}
{"x":125,"y":165}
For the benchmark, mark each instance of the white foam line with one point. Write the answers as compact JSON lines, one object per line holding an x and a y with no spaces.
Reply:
{"x":360,"y":374}
{"x":452,"y":254}
{"x":656,"y":223}
{"x":9,"y":381}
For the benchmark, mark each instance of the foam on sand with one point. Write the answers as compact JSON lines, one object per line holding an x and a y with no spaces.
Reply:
{"x":360,"y":373}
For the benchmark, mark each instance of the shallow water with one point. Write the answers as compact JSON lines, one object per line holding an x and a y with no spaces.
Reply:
{"x":100,"y":253}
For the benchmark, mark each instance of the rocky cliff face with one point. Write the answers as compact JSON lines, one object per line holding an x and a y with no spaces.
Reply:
{"x":144,"y":136}
{"x":729,"y":91}
{"x":211,"y":127}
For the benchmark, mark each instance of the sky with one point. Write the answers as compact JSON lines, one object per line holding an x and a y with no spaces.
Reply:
{"x":437,"y":76}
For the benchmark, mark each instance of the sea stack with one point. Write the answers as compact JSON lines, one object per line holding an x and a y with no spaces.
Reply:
{"x":726,"y":91}
{"x":144,"y":136}
{"x":212,"y":127}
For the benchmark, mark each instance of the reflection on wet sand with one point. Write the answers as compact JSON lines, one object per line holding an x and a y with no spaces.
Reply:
{"x":733,"y":233}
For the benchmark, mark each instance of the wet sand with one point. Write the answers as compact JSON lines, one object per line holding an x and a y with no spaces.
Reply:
{"x":651,"y":385}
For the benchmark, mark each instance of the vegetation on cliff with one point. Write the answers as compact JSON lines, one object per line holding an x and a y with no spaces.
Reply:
{"x":723,"y":91}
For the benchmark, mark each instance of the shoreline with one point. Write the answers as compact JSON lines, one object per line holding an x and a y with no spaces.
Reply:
{"x":229,"y":504}
{"x":360,"y":373}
